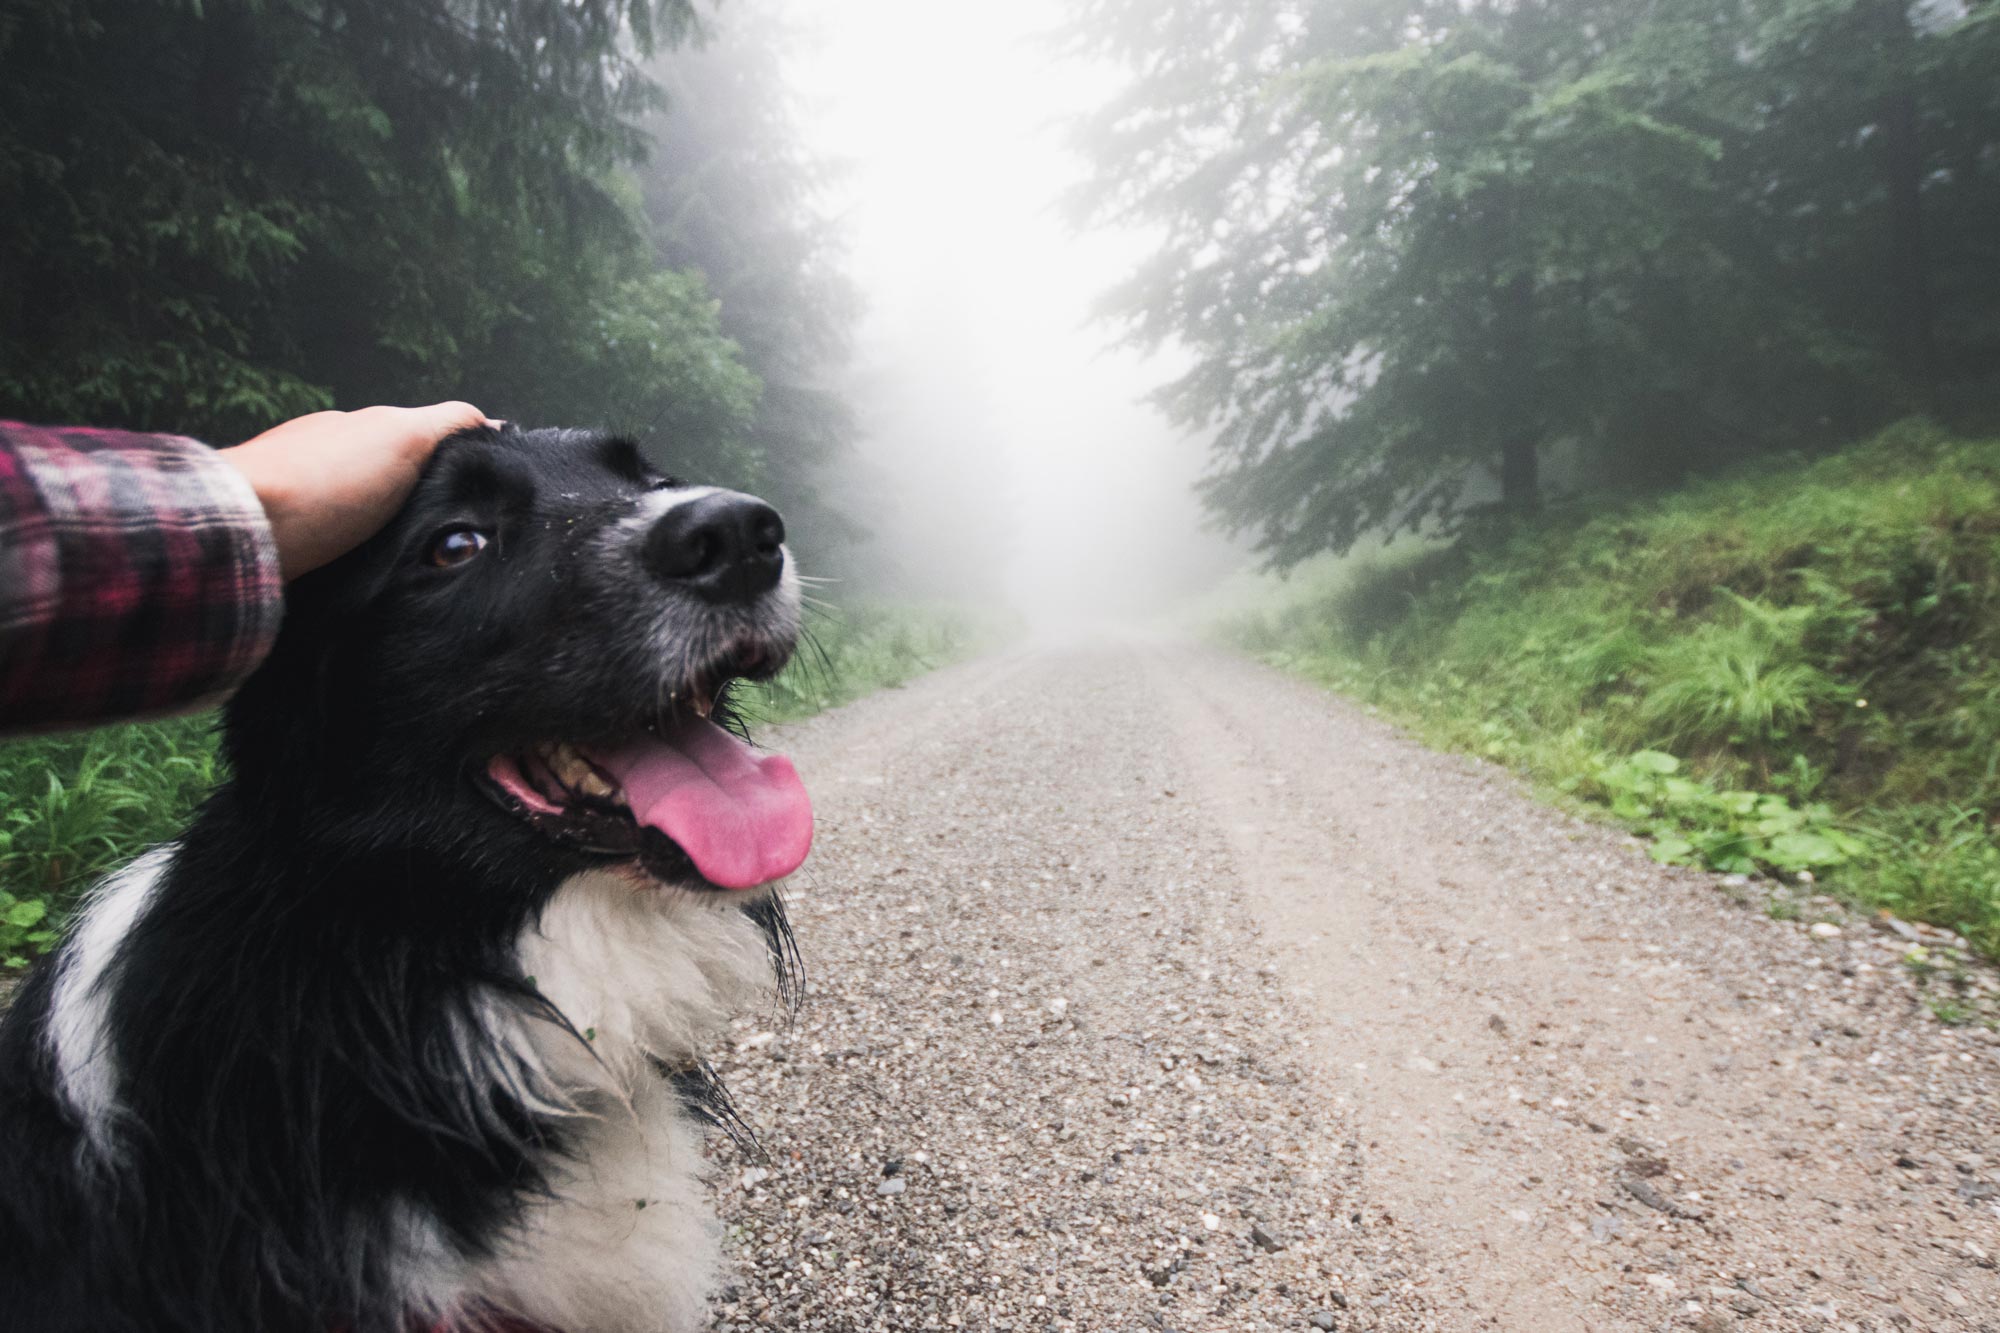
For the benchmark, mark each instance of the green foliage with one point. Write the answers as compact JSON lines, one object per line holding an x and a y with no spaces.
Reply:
{"x":22,"y":928}
{"x":228,"y":213}
{"x":855,"y":650}
{"x":1793,"y":668}
{"x":659,"y":336}
{"x":73,"y":807}
{"x":1416,"y":246}
{"x":1951,"y":1013}
{"x":1744,"y":679}
{"x":1692,"y":823}
{"x":1939,"y":860}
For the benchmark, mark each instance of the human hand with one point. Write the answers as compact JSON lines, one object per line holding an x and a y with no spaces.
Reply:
{"x":330,"y":480}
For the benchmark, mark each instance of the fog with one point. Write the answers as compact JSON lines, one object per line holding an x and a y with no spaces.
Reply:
{"x":1006,"y":452}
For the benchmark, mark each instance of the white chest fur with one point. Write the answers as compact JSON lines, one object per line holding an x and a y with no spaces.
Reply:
{"x":628,"y":1241}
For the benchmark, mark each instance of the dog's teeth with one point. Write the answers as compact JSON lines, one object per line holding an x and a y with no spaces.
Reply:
{"x":572,"y":769}
{"x":703,"y":705}
{"x":592,"y":783}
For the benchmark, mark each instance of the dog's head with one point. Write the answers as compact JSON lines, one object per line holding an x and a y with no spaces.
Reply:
{"x":522,"y":671}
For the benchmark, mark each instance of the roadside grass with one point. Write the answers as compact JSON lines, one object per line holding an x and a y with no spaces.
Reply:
{"x":74,"y":806}
{"x":849,"y":651}
{"x":1792,"y":670}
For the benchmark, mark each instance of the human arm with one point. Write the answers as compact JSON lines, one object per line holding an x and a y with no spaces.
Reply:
{"x":143,"y":574}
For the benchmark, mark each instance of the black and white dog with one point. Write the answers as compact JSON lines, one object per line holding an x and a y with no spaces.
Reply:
{"x":405,"y":1033}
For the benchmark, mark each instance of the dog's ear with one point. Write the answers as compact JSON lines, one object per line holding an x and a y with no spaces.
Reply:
{"x":287,"y":705}
{"x":621,"y":456}
{"x":279,"y":715}
{"x":294,"y":700}
{"x":343,"y":588}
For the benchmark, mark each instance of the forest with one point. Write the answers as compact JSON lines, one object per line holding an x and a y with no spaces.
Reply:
{"x":1435,"y":262}
{"x":1426,"y":262}
{"x":223,"y":214}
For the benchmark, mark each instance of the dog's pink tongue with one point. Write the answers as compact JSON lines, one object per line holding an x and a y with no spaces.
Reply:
{"x":742,"y":817}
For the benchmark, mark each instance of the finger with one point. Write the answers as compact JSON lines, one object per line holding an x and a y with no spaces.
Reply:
{"x":416,"y":431}
{"x":448,"y":417}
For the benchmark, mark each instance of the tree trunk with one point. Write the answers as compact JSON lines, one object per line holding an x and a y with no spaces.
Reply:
{"x":1519,"y":436}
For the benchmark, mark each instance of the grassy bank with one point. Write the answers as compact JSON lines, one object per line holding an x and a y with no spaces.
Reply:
{"x":1795,"y":670}
{"x":74,"y":806}
{"x":859,"y":649}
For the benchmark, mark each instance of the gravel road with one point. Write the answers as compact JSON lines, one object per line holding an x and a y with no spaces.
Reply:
{"x":1149,"y":989}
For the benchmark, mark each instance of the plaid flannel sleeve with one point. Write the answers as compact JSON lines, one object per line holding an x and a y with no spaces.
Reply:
{"x":137,"y":576}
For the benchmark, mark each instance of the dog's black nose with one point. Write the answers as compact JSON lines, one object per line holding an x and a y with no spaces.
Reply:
{"x":727,"y":547}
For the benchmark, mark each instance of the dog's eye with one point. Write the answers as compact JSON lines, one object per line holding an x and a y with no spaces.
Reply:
{"x":455,"y":546}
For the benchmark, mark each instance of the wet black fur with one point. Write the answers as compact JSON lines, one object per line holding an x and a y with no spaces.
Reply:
{"x":295,"y":1021}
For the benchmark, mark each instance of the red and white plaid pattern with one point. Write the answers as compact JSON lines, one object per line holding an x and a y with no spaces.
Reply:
{"x":137,"y":576}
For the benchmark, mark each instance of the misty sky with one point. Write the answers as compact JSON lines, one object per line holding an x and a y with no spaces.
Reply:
{"x":984,"y":386}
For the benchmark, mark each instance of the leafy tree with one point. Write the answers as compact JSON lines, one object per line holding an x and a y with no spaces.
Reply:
{"x":227,"y":212}
{"x":1415,"y":244}
{"x":1868,"y":171}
